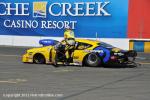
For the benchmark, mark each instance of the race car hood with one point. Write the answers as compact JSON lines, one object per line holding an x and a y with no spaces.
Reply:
{"x":116,"y":49}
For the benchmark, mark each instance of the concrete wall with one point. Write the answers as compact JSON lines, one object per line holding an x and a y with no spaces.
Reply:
{"x":33,"y":41}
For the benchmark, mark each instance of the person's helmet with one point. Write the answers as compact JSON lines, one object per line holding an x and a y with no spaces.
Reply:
{"x":68,"y":33}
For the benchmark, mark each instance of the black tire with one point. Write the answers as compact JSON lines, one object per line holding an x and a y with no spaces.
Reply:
{"x":55,"y":62}
{"x":93,"y":60}
{"x":38,"y":59}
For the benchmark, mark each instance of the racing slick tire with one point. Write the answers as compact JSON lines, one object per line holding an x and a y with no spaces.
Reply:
{"x":93,"y":60}
{"x":38,"y":59}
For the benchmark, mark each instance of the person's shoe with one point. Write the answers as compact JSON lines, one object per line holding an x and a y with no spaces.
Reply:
{"x":66,"y":63}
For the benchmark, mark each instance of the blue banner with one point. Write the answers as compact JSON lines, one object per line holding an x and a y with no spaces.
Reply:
{"x":88,"y":18}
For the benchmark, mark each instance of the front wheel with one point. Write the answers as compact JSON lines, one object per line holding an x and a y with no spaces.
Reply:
{"x":39,"y":59}
{"x":93,"y":60}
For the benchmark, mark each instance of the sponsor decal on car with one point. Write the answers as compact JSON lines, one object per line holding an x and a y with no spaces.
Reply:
{"x":95,"y":51}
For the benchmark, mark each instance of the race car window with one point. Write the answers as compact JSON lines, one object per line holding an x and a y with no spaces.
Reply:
{"x":82,"y":46}
{"x":103,"y":44}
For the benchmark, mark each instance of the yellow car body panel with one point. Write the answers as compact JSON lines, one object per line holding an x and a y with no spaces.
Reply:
{"x":49,"y":52}
{"x":28,"y":57}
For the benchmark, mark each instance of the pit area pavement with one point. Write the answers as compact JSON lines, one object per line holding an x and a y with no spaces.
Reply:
{"x":19,"y":81}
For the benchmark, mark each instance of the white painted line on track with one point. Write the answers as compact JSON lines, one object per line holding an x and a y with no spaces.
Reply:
{"x":64,"y":70}
{"x":8,"y":82}
{"x":10,"y":55}
{"x":141,"y":58}
{"x":14,"y":81}
{"x":6,"y":72}
{"x":144,"y":63}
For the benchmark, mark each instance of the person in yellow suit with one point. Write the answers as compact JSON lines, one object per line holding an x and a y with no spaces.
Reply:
{"x":69,"y":44}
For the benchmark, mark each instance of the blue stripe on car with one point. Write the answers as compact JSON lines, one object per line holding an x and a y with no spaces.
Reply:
{"x":105,"y":52}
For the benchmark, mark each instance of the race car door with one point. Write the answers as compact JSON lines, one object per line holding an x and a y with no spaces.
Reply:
{"x":79,"y":52}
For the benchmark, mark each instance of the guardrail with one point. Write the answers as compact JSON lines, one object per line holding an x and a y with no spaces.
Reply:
{"x":140,"y":45}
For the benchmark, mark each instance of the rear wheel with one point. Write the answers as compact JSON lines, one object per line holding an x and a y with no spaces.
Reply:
{"x":38,"y":59}
{"x":93,"y":60}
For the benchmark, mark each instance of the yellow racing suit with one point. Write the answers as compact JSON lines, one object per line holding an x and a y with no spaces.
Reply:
{"x":69,"y":42}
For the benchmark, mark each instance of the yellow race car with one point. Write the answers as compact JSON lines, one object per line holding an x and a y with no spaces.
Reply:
{"x":86,"y":52}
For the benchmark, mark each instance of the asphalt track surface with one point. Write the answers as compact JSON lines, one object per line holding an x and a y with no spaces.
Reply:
{"x":19,"y":81}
